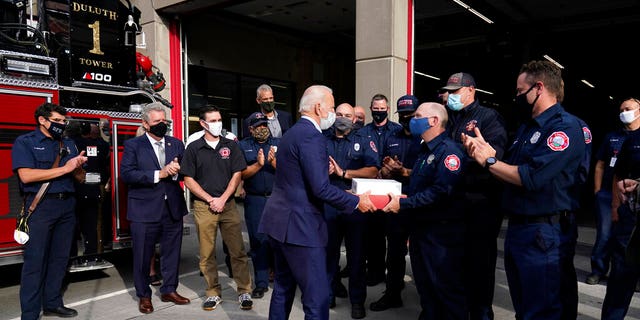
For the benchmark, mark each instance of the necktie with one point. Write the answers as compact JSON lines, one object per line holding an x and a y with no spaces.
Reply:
{"x":161,"y":156}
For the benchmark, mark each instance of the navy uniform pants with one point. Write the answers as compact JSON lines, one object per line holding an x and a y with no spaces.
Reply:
{"x":623,"y":276}
{"x":260,"y":251}
{"x":46,"y":255}
{"x":437,"y":260}
{"x":532,"y":265}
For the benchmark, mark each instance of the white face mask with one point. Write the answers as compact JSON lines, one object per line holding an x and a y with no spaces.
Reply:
{"x":215,"y":128}
{"x":326,"y":123}
{"x":628,"y":116}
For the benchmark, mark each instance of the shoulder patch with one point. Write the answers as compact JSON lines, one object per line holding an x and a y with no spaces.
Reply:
{"x":587,"y":135}
{"x":373,"y":146}
{"x":452,"y":162}
{"x":558,"y":141}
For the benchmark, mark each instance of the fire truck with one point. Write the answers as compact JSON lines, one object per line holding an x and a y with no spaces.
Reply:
{"x":80,"y":54}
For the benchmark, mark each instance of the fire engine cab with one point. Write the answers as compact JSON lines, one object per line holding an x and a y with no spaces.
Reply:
{"x":80,"y":54}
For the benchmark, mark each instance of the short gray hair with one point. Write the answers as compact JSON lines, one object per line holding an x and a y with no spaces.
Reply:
{"x":153,"y":106}
{"x":261,"y":88}
{"x":314,"y":94}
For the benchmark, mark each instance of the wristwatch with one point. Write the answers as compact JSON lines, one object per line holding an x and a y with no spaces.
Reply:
{"x":490,"y":161}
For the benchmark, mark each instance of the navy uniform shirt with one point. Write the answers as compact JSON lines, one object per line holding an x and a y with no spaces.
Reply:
{"x":548,"y":151}
{"x":353,"y":151}
{"x":628,"y":163}
{"x":37,"y":151}
{"x":608,"y":153}
{"x":491,"y":125}
{"x":380,"y":134}
{"x":583,"y":169}
{"x":435,"y":188}
{"x":406,"y":148}
{"x":260,"y":183}
{"x":212,"y":168}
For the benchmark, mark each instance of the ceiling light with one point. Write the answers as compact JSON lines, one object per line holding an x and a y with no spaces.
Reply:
{"x":484,"y":91}
{"x":587,"y":83}
{"x":553,"y":61}
{"x":478,"y":14}
{"x":426,"y":75}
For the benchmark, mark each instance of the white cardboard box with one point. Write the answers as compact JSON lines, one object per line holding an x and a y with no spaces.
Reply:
{"x":377,"y":186}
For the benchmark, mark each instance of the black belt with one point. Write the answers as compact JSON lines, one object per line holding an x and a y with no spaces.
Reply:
{"x":551,"y":218}
{"x":264,"y":194}
{"x":58,"y":195}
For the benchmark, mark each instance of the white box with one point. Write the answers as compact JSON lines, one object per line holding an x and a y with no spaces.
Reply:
{"x":376,"y":186}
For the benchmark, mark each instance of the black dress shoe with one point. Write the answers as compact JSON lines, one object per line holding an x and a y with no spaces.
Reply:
{"x":258,"y":292}
{"x":62,"y":312}
{"x":387,"y":301}
{"x":357,"y":311}
{"x":339,"y":290}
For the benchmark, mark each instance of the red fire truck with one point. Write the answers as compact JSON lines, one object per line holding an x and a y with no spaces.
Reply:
{"x":82,"y":55}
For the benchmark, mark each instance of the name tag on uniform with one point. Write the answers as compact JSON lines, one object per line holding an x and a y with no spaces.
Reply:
{"x":612,"y":163}
{"x":92,"y":151}
{"x":92,"y":178}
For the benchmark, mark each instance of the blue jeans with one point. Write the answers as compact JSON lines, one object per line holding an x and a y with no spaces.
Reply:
{"x":601,"y":253}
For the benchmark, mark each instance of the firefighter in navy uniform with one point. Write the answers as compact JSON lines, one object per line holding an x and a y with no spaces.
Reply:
{"x":482,"y":193}
{"x":259,"y":151}
{"x":624,"y":274}
{"x":90,"y":195}
{"x":52,"y":224}
{"x":378,"y":130}
{"x":351,"y":155}
{"x":398,"y":157}
{"x":540,"y":171}
{"x":436,"y":241}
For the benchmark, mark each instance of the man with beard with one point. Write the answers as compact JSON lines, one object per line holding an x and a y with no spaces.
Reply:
{"x":351,"y":155}
{"x":260,"y":154}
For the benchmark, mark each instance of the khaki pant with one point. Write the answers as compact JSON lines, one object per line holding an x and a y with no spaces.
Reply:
{"x":231,"y":230}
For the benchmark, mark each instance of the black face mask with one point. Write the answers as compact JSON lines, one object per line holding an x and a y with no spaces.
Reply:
{"x":158,"y":130}
{"x":268,"y":106}
{"x":359,"y":124}
{"x":379,"y":116}
{"x":404,"y":121}
{"x":56,"y":130}
{"x":525,"y":108}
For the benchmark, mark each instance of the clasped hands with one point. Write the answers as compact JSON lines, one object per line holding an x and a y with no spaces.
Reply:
{"x":171,"y":169}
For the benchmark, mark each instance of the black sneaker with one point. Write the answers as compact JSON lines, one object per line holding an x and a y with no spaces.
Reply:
{"x":211,"y":303}
{"x":245,"y":301}
{"x":387,"y":301}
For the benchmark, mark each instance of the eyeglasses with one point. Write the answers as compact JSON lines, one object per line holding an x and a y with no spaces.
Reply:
{"x":58,"y":120}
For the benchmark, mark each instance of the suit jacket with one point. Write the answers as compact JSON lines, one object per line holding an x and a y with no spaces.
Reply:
{"x":284,"y":118}
{"x":294,"y":212}
{"x":145,"y":198}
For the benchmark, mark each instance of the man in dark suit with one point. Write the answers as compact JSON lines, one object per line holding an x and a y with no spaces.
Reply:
{"x":293,"y":216}
{"x":155,"y":204}
{"x":278,"y":121}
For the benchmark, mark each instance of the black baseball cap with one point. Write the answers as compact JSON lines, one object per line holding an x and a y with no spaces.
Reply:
{"x":407,"y":103}
{"x":257,"y":119}
{"x":459,"y":80}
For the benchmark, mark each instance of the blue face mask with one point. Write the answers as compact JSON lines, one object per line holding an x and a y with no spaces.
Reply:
{"x":419,"y":125}
{"x":454,"y":103}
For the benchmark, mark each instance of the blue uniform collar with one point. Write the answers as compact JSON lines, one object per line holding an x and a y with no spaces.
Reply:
{"x":548,"y":114}
{"x":436,"y":141}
